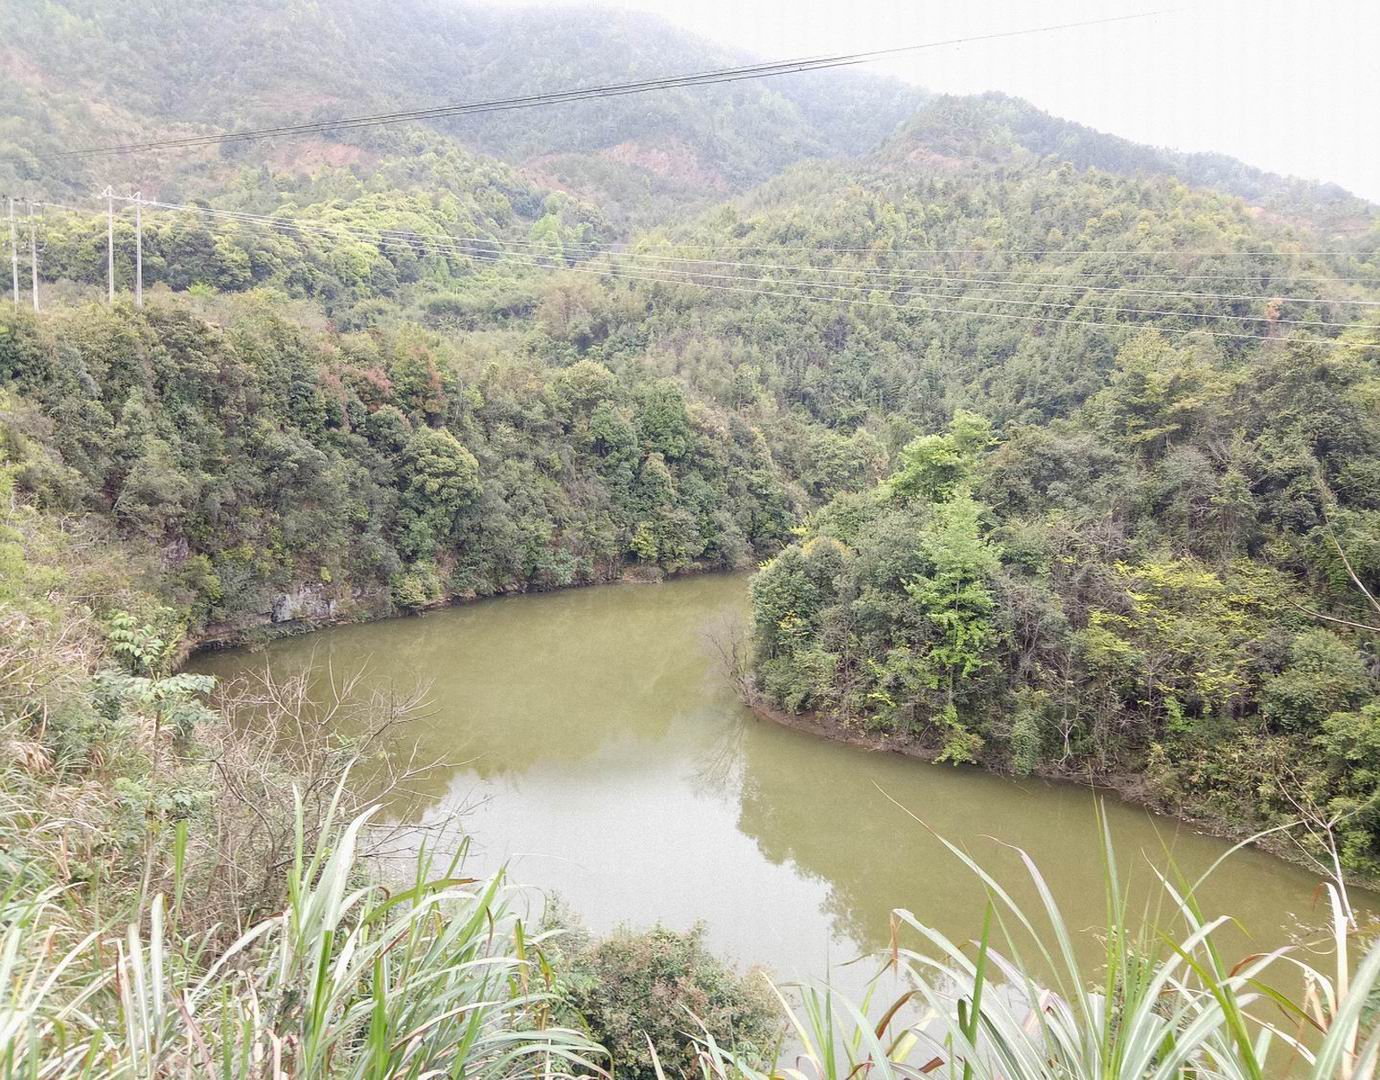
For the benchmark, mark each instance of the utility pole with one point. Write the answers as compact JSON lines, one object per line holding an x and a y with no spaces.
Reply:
{"x":138,"y":249}
{"x":110,"y":244}
{"x":14,"y":256}
{"x":33,"y":255}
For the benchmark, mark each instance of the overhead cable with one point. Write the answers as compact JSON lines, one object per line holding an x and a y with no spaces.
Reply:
{"x":702,"y":78}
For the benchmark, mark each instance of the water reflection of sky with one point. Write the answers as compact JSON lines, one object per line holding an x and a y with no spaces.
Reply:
{"x":627,"y":847}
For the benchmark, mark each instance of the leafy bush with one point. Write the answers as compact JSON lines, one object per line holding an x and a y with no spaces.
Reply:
{"x":417,"y":588}
{"x":662,"y":986}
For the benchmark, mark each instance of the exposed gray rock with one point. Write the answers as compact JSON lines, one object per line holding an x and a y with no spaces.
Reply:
{"x":306,"y":602}
{"x":175,"y":552}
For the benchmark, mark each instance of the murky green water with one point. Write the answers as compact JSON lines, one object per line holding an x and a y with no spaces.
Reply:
{"x":608,"y":759}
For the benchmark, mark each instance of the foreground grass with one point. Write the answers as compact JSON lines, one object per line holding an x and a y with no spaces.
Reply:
{"x":441,"y":979}
{"x":1161,"y":1003}
{"x":349,"y":980}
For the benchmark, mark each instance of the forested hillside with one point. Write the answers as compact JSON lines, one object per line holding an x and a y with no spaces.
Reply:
{"x":844,"y":312}
{"x":263,"y":459}
{"x":1171,"y":586}
{"x":478,"y":420}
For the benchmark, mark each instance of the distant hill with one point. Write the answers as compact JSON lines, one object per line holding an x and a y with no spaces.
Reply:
{"x":995,"y":128}
{"x":89,"y":71}
{"x":83,"y":72}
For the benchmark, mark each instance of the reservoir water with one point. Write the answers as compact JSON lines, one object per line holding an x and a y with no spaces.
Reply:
{"x":601,"y":753}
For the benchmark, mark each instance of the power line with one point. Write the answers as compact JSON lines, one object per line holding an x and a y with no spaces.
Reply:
{"x":1160,"y":252}
{"x":451,"y":246}
{"x":63,"y":206}
{"x":14,"y":256}
{"x":888,"y":251}
{"x":703,"y":78}
{"x":494,"y":256}
{"x":948,"y":278}
{"x":930,"y":283}
{"x":1001,"y":285}
{"x":930,"y":309}
{"x":743,"y":285}
{"x":932,"y":252}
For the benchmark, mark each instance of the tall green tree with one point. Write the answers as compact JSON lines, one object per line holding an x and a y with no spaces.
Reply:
{"x":955,"y":596}
{"x":442,"y":479}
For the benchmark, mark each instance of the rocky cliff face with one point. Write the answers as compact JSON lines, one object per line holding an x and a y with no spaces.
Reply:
{"x":313,"y":603}
{"x":305,"y":606}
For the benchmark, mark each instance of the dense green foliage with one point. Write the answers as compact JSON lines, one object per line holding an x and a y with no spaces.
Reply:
{"x":260,"y":457}
{"x":326,"y":245}
{"x":1133,"y":591}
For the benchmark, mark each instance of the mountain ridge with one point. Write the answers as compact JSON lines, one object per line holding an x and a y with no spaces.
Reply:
{"x":644,"y":159}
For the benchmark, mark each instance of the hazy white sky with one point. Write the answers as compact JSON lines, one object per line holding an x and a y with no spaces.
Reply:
{"x":1289,"y":85}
